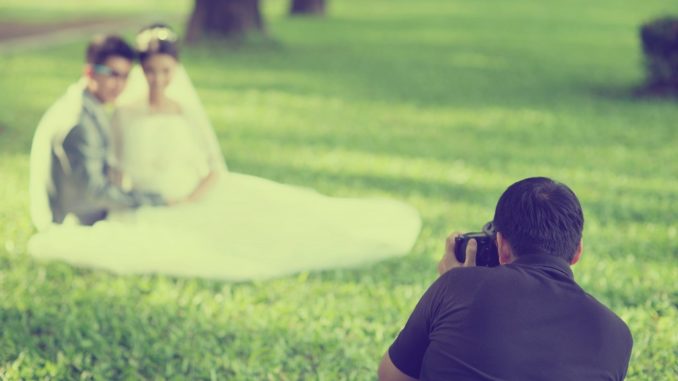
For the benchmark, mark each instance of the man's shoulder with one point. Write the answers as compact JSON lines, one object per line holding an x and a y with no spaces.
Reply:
{"x":84,"y":131}
{"x":612,"y":320}
{"x":607,"y":324}
{"x":475,"y":279}
{"x":82,"y":126}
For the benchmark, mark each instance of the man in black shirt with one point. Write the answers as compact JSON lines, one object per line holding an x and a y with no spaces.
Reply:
{"x":526,"y":319}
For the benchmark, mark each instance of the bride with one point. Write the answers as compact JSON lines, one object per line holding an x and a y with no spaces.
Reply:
{"x":222,"y":224}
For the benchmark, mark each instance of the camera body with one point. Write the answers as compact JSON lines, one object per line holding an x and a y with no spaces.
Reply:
{"x":486,"y":254}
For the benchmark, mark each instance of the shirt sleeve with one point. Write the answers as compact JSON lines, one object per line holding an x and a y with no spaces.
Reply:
{"x":408,"y":349}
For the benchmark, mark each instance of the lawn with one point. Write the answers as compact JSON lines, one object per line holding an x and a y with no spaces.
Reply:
{"x":439,"y":103}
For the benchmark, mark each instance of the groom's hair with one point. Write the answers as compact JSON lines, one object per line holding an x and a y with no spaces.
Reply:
{"x":102,"y":47}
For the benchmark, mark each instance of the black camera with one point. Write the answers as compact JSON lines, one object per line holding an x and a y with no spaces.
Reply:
{"x":486,"y":254}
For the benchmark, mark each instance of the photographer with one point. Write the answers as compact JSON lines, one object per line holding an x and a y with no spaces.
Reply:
{"x":525,"y":319}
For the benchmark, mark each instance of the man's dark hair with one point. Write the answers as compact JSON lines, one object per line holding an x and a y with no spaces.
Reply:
{"x":540,"y":216}
{"x":103,"y":47}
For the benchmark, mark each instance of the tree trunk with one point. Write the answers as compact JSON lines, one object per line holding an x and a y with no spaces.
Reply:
{"x":307,"y":7}
{"x":223,"y":18}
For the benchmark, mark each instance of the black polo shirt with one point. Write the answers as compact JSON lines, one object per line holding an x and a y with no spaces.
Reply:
{"x":527,"y":320}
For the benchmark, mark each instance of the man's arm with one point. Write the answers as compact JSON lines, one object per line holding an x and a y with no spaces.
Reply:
{"x":88,"y":163}
{"x":403,"y":359}
{"x":389,"y":372}
{"x":405,"y":356}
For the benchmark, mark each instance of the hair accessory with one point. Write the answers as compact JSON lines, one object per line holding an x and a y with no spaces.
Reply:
{"x":153,"y":35}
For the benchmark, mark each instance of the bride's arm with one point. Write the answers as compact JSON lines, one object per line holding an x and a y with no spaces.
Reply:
{"x":205,"y":185}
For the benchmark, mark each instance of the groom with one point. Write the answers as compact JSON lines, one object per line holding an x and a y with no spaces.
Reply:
{"x":81,"y":182}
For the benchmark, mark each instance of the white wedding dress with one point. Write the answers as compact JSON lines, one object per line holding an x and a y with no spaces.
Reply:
{"x":244,"y":228}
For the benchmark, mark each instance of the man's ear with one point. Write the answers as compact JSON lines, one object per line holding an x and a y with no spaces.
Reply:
{"x":88,"y":71}
{"x":577,"y":254}
{"x":504,"y":249}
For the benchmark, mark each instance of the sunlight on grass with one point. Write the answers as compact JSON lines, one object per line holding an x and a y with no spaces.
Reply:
{"x":442,"y":104}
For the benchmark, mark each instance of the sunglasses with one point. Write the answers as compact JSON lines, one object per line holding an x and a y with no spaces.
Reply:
{"x":107,"y":71}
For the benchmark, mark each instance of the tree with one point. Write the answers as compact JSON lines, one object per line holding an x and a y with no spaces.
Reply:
{"x":660,"y":45}
{"x":307,"y":7}
{"x":223,"y":18}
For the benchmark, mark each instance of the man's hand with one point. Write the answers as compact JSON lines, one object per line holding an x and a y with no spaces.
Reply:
{"x":449,"y":260}
{"x":120,"y":179}
{"x":115,"y":176}
{"x":176,"y":201}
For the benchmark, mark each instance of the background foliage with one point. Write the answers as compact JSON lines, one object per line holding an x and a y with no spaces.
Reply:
{"x":440,"y":103}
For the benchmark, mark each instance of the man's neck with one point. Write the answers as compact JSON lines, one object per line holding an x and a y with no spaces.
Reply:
{"x":92,"y":103}
{"x":93,"y":96}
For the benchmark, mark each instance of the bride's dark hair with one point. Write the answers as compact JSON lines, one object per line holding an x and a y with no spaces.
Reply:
{"x":156,"y":38}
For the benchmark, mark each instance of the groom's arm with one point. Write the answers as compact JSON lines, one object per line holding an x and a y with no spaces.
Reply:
{"x":87,"y":156}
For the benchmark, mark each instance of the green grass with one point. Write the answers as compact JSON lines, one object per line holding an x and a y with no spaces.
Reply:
{"x":442,"y":104}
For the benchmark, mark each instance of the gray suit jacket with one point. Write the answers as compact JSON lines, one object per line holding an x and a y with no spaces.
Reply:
{"x":80,"y":171}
